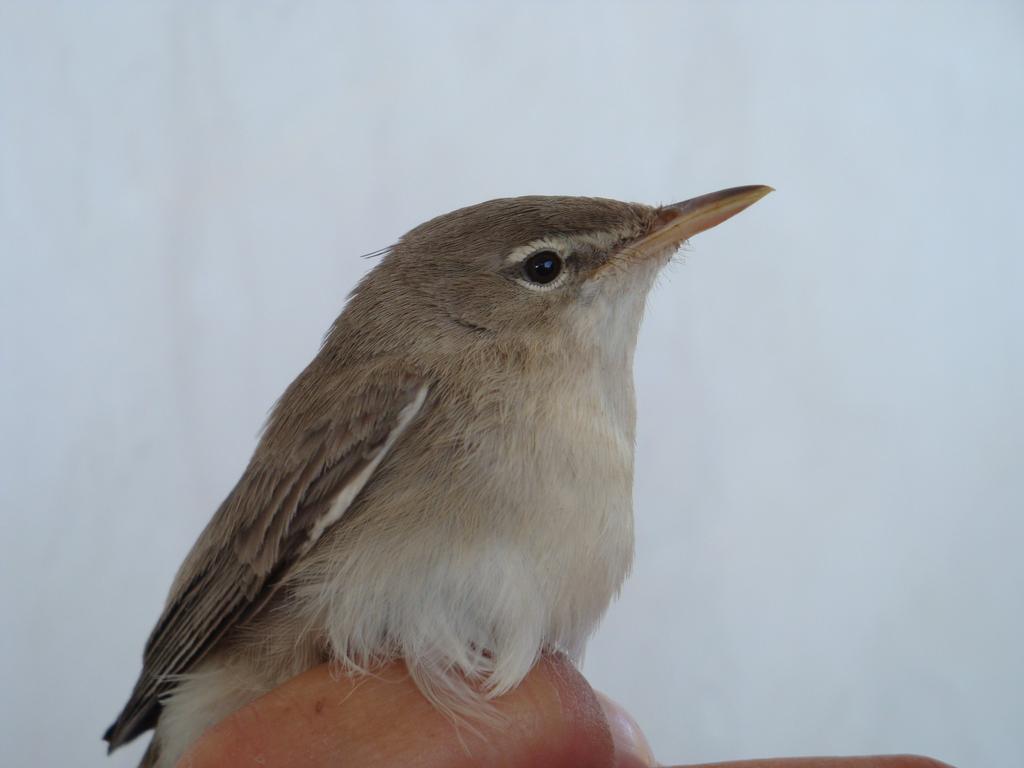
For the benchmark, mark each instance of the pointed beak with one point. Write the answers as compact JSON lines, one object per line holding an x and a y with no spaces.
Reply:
{"x":681,"y":221}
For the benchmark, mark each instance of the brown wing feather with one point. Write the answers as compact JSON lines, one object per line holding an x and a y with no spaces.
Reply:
{"x":317,"y":441}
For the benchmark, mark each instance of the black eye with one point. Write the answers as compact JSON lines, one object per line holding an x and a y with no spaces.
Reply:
{"x":542,"y":267}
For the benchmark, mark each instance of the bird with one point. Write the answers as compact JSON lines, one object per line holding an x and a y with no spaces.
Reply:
{"x":449,"y":481}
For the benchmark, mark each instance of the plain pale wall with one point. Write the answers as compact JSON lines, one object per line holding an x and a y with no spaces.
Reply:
{"x":829,"y":484}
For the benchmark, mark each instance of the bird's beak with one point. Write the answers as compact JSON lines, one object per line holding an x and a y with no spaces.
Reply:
{"x":681,"y":221}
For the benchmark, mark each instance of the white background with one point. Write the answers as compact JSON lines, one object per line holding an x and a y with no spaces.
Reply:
{"x":830,"y":485}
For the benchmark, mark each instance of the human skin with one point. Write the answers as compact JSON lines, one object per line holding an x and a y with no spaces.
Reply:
{"x":553,"y":719}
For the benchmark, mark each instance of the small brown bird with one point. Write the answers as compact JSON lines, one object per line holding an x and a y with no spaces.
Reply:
{"x":449,"y":481}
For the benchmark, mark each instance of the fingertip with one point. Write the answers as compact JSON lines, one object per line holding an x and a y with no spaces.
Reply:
{"x":632,"y":750}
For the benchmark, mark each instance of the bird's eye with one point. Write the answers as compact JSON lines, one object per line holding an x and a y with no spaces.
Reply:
{"x":542,"y":267}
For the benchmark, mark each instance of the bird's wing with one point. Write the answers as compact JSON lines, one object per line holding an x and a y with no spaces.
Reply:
{"x":311,"y":464}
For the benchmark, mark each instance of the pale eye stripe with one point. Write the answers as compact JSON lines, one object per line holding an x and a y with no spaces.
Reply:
{"x":559,"y":245}
{"x":565,"y":244}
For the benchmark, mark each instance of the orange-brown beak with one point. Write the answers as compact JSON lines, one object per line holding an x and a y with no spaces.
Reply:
{"x":681,"y":221}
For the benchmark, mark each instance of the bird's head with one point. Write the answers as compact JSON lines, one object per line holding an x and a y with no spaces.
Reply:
{"x":541,"y":271}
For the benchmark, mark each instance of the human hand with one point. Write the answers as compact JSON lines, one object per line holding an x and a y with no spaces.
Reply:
{"x":553,"y":719}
